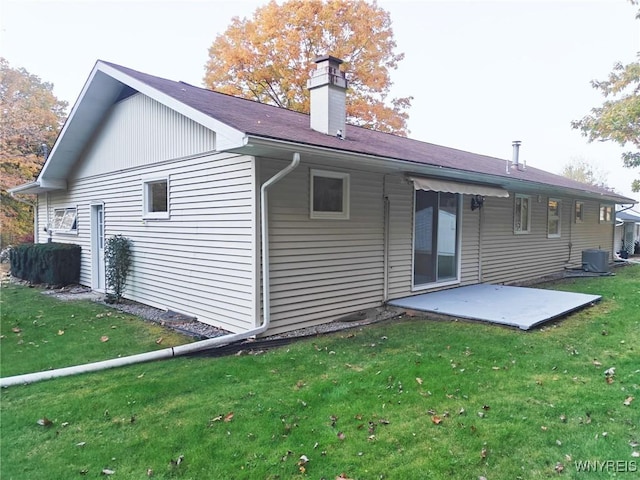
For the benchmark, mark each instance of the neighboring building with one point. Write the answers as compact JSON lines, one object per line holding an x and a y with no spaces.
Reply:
{"x":627,"y":234}
{"x":363,"y":217}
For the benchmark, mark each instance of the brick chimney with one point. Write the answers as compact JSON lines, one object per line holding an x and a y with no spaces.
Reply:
{"x":328,"y":87}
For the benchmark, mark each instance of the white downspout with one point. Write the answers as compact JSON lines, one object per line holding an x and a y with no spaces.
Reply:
{"x":191,"y":347}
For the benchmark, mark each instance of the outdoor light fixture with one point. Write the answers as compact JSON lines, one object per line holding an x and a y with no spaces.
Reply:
{"x":476,"y":202}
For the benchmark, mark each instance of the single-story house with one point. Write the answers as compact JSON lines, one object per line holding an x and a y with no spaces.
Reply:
{"x":237,"y":209}
{"x":627,"y":233}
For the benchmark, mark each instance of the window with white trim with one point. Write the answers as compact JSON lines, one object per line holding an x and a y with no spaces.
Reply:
{"x":579,"y":212}
{"x":65,"y":220}
{"x":606,"y":214}
{"x":329,"y":195}
{"x":522,"y":214}
{"x":554,"y":207}
{"x":155,"y":198}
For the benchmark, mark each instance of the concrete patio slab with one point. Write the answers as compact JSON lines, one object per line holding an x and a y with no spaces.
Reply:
{"x":513,"y":306}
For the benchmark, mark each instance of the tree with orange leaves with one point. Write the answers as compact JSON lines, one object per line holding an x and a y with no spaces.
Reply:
{"x":269,"y":58}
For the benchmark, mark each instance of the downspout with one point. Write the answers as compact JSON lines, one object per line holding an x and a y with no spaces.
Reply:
{"x":35,"y":215}
{"x":386,"y":239}
{"x":181,"y":349}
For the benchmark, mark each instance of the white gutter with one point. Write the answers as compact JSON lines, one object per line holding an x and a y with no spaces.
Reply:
{"x":191,"y":347}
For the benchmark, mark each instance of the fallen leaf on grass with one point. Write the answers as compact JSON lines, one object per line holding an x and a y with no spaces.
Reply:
{"x":635,"y":454}
{"x":436,"y":419}
{"x":45,"y":422}
{"x":81,"y":444}
{"x":597,"y":363}
{"x":178,"y":461}
{"x":341,"y":436}
{"x":419,"y":380}
{"x":609,"y":380}
{"x":343,"y":476}
{"x":627,"y":401}
{"x":559,"y":467}
{"x":107,"y":471}
{"x":149,"y":472}
{"x":483,"y":453}
{"x":228,"y":417}
{"x":104,"y":338}
{"x":16,"y":330}
{"x":60,"y":332}
{"x":159,"y":341}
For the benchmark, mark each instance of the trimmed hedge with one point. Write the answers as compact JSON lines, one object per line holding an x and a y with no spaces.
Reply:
{"x":50,"y":263}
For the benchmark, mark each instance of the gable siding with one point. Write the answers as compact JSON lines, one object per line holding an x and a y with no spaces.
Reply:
{"x":323,"y":269}
{"x":147,"y":132}
{"x":201,"y":261}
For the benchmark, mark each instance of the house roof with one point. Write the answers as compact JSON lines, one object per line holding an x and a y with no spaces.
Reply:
{"x":628,"y":216}
{"x":242,"y":121}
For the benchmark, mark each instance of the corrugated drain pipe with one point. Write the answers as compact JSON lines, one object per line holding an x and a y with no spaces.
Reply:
{"x":191,"y":347}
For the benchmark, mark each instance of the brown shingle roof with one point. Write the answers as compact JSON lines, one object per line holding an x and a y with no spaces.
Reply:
{"x":262,"y":120}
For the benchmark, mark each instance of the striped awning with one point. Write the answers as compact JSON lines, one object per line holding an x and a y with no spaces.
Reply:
{"x":421,"y":183}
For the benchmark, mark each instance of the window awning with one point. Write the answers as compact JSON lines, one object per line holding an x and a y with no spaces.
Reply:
{"x":432,"y":184}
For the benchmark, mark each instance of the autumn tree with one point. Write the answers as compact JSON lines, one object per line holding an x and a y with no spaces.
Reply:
{"x":581,"y":170}
{"x":31,"y":119}
{"x":269,"y":58}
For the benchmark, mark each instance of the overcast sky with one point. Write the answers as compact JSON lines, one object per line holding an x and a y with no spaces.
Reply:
{"x":481,"y":73}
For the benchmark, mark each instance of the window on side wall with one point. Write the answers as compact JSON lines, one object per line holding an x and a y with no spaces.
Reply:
{"x":65,"y":220}
{"x":522,"y":214}
{"x":329,"y":195}
{"x":155,"y":198}
{"x":606,"y":214}
{"x":553,"y":218}
{"x":579,"y":212}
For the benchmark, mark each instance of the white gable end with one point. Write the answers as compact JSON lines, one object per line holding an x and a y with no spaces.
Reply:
{"x":140,"y":131}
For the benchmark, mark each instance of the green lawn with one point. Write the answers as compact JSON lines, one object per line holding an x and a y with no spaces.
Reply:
{"x":39,"y":332}
{"x":410,"y":398}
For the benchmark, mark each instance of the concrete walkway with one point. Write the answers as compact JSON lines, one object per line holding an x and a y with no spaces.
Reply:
{"x":513,"y":306}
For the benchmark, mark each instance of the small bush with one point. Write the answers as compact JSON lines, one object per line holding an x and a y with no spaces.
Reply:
{"x":117,"y":255}
{"x":50,"y":263}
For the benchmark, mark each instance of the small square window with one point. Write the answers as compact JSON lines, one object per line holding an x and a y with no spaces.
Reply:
{"x":553,"y":218}
{"x":579,"y":212}
{"x":606,"y":214}
{"x":522,"y":214}
{"x":156,"y":198}
{"x":329,"y":195}
{"x":65,"y":220}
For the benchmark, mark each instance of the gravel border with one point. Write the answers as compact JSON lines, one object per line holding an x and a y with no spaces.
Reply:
{"x":193,"y":328}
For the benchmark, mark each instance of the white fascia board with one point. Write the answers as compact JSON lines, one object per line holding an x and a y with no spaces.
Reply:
{"x":226,"y":137}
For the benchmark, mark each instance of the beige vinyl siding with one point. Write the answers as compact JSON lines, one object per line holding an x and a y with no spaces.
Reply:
{"x":400,"y":194}
{"x":147,"y":132}
{"x":322,"y":269}
{"x":510,"y":258}
{"x":200,"y":261}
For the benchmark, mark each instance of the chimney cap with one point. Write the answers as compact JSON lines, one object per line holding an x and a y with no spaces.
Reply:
{"x":331,"y":58}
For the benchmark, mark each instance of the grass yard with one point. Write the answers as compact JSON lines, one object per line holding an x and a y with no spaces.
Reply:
{"x":410,"y":398}
{"x":39,"y":332}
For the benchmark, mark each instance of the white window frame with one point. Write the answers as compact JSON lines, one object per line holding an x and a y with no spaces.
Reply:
{"x":557,"y":217}
{"x":147,"y":214}
{"x":346,"y":188}
{"x":604,"y":208}
{"x":516,"y":230}
{"x":64,"y":220}
{"x":578,"y":218}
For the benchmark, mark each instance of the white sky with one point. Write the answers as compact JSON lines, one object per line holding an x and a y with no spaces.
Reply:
{"x":481,"y":73}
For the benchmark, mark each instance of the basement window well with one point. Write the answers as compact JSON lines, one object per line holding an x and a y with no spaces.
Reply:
{"x":156,"y":198}
{"x":329,"y":195}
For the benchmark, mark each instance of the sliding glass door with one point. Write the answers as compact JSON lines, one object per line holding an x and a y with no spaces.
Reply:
{"x":435,"y":239}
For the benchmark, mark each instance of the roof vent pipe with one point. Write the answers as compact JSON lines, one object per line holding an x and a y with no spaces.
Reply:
{"x":516,"y":155}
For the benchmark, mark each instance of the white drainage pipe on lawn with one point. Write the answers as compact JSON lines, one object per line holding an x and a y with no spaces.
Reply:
{"x":190,"y":347}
